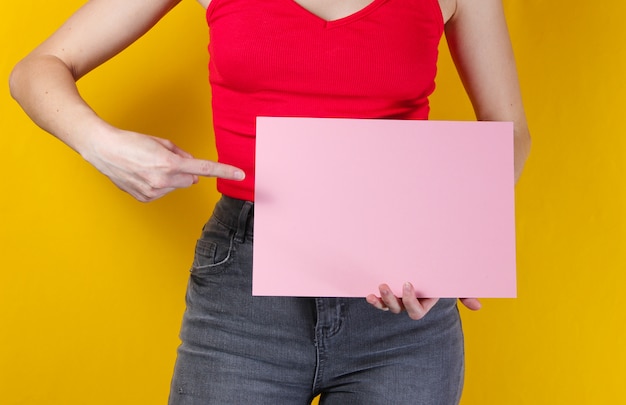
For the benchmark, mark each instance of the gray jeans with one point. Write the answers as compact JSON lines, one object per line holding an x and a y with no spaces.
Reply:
{"x":240,"y":349}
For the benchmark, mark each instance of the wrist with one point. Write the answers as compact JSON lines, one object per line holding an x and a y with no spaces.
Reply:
{"x":90,"y":136}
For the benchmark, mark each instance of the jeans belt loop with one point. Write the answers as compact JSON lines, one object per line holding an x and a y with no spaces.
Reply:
{"x":242,"y":222}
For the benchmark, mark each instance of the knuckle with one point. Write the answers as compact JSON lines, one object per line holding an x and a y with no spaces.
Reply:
{"x":152,"y":195}
{"x":138,"y":196}
{"x":142,"y":196}
{"x":148,"y":189}
{"x":170,"y":163}
{"x":207,"y":167}
{"x":155,"y":182}
{"x":167,"y":143}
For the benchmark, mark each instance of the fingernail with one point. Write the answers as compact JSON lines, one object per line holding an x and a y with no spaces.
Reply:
{"x":239,"y":175}
{"x":407,"y":287}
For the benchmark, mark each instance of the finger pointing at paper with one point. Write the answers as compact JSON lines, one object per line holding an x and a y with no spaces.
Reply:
{"x":147,"y":167}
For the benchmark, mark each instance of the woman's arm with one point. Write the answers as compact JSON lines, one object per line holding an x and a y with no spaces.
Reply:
{"x":481,"y":49}
{"x":479,"y":43}
{"x":44,"y":83}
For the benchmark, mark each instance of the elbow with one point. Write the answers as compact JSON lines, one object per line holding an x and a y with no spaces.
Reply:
{"x":15,"y":80}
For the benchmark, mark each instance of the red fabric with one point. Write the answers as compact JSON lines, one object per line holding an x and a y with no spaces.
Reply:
{"x":275,"y":58}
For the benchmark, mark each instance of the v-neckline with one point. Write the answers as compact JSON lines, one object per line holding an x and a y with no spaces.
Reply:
{"x":374,"y":4}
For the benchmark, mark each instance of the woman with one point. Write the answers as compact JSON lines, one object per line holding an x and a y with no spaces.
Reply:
{"x":324,"y":58}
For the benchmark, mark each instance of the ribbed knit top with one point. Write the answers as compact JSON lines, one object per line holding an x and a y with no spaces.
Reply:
{"x":275,"y":58}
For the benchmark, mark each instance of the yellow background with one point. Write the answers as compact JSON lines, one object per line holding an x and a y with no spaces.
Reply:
{"x":92,"y":282}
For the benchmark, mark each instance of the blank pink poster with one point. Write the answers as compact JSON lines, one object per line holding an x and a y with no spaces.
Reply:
{"x":343,"y":205}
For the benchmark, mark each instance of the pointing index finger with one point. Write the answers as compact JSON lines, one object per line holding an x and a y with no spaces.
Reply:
{"x":208,"y":168}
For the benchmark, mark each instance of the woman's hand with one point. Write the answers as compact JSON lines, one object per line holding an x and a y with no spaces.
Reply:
{"x":44,"y":83}
{"x":147,"y":167}
{"x":415,"y":307}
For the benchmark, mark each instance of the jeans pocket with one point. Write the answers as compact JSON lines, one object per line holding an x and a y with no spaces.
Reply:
{"x":213,"y":251}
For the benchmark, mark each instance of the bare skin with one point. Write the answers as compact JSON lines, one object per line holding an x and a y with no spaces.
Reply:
{"x":146,"y":167}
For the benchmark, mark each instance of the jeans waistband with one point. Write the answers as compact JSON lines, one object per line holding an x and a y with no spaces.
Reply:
{"x":237,"y":215}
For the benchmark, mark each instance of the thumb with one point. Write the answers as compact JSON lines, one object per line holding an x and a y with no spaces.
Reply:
{"x":471,"y":303}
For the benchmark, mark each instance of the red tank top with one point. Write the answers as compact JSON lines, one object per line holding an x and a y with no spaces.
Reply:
{"x":275,"y":58}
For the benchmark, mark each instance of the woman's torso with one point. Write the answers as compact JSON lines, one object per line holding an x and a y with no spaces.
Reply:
{"x":281,"y":59}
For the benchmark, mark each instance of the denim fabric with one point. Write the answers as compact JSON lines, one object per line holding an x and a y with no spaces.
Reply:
{"x":240,"y":349}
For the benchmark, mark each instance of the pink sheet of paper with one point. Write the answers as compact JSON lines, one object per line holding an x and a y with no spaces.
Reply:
{"x":343,"y":205}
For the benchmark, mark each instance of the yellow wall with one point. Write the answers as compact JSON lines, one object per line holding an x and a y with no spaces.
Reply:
{"x":92,"y":282}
